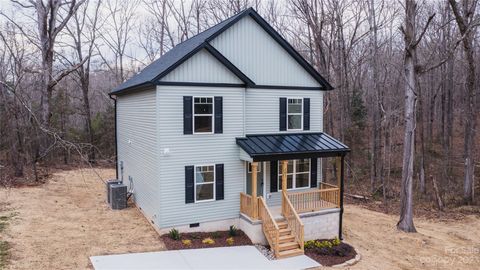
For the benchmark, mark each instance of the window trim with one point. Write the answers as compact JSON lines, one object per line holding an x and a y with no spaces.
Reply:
{"x":300,"y":113}
{"x":212,"y":115}
{"x":195,"y":183}
{"x":294,"y":175}
{"x":249,"y":167}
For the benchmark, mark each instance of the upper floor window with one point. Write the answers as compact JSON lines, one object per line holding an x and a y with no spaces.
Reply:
{"x":298,"y":174}
{"x":295,"y":114}
{"x":203,"y":115}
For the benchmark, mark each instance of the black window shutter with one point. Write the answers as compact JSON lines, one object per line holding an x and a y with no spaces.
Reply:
{"x":313,"y":172}
{"x":219,"y":191}
{"x":283,"y":114}
{"x":187,"y":115}
{"x":306,"y":114}
{"x":189,"y":185}
{"x":273,"y":176}
{"x":218,"y":107}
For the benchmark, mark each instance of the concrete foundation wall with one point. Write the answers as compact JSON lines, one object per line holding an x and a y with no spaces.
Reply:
{"x":321,"y":225}
{"x":253,"y":229}
{"x":317,"y":225}
{"x":211,"y":226}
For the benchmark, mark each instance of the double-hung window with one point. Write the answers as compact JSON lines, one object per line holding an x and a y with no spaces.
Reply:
{"x":203,"y":115}
{"x":295,"y":114}
{"x":298,"y":174}
{"x":204,"y":183}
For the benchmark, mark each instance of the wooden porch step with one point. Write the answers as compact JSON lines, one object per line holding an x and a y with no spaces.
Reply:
{"x":282,"y":225}
{"x":286,"y":238}
{"x":285,"y":231}
{"x":288,"y":246}
{"x":290,"y":253}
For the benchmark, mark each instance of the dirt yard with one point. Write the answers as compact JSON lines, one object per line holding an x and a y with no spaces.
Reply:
{"x":60,"y":224}
{"x":437,"y":245}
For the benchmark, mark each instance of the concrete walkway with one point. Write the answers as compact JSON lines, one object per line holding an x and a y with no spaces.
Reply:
{"x":242,"y":257}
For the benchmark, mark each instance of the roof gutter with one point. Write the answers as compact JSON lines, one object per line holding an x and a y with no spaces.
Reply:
{"x":116,"y":134}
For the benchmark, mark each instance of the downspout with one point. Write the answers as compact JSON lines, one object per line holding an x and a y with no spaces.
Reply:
{"x":342,"y":169}
{"x":116,"y":134}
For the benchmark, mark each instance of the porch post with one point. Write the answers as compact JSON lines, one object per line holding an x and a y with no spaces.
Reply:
{"x":284,"y":175}
{"x":254,"y":190}
{"x":342,"y":178}
{"x":339,"y":161}
{"x":284,"y":182}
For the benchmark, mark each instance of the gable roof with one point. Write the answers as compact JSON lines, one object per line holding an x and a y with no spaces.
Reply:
{"x":181,"y":52}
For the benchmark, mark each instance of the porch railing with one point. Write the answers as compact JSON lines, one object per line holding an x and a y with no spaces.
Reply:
{"x":246,"y":204}
{"x":314,"y":200}
{"x":269,"y":226}
{"x":293,"y":220}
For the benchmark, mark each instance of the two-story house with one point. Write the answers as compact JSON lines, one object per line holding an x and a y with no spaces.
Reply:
{"x":226,"y":129}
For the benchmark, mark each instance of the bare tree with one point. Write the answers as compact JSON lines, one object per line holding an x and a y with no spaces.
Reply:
{"x":119,"y":23}
{"x":466,"y":23}
{"x":409,"y":30}
{"x":84,"y":34}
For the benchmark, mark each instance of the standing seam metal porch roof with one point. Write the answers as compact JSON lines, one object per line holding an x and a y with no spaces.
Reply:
{"x":291,"y":146}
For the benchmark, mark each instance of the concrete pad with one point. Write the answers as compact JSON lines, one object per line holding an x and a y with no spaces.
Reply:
{"x":242,"y":257}
{"x":149,"y":260}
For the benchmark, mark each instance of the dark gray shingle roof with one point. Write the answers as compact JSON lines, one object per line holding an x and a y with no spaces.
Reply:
{"x":182,"y":51}
{"x":157,"y":67}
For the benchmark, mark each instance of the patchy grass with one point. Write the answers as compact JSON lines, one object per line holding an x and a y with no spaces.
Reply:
{"x":4,"y":247}
{"x":4,"y":220}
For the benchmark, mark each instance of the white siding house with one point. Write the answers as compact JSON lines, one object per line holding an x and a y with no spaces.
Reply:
{"x":192,"y":127}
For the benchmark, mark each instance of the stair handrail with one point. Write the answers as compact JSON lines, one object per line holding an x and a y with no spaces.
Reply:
{"x":293,"y":220}
{"x":272,"y":234}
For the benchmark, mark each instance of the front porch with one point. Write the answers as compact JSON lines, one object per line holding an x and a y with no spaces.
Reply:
{"x":283,"y":225}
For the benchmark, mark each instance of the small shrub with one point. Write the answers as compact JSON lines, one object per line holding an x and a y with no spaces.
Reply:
{"x":187,"y":242}
{"x":310,"y":244}
{"x":230,"y":241}
{"x":195,"y":236}
{"x":233,"y":231}
{"x":336,"y":241}
{"x":325,"y":244}
{"x":215,"y":235}
{"x":208,"y":241}
{"x":174,"y":234}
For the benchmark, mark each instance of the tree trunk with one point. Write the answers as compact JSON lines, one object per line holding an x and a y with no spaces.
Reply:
{"x":406,"y":197}
{"x":464,"y":18}
{"x":375,"y":166}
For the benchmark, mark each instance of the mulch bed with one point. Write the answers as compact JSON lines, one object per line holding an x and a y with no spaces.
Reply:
{"x":220,"y":238}
{"x":329,"y":257}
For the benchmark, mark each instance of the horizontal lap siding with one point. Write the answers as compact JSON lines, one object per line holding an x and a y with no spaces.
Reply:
{"x":262,"y":116}
{"x":262,"y":109}
{"x":137,"y":147}
{"x":198,"y":149}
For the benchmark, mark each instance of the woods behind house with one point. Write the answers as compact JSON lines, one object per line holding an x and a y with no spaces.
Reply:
{"x":406,"y":78}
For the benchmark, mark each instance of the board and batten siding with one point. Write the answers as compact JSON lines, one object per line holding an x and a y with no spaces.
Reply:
{"x":137,"y":148}
{"x":198,"y":149}
{"x":252,"y":50}
{"x":202,"y":68}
